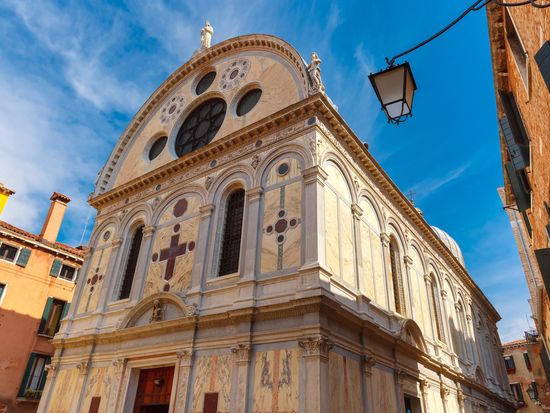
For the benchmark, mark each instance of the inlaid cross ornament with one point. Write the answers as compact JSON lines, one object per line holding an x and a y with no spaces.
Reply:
{"x":174,"y":251}
{"x":281,"y":226}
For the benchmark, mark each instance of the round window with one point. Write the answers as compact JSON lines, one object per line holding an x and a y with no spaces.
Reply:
{"x":205,"y":83}
{"x":157,"y":147}
{"x":200,"y":127}
{"x":248,"y":101}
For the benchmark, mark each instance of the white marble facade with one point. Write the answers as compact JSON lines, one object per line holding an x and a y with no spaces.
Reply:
{"x":309,"y":321}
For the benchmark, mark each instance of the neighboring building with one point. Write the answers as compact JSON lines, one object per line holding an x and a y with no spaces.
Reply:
{"x":37,"y":281}
{"x":250,"y":255}
{"x":520,"y":48}
{"x":526,"y":374}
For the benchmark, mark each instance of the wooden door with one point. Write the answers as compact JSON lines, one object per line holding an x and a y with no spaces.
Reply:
{"x":154,"y":390}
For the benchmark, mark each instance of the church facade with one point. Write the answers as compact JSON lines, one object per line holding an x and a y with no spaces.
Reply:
{"x":250,"y":255}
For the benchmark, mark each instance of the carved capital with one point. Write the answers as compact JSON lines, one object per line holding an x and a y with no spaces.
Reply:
{"x":241,"y":353}
{"x":83,"y":366}
{"x":185,"y":357}
{"x":255,"y":193}
{"x":315,"y":346}
{"x":117,"y":242}
{"x":356,"y":210}
{"x":407,"y":260}
{"x":427,"y":278}
{"x":206,"y":211}
{"x":385,"y":238}
{"x":469,"y":317}
{"x":460,"y":397}
{"x":119,"y":364}
{"x":52,"y":369}
{"x":314,"y":174}
{"x":400,"y":376}
{"x":368,"y":363}
{"x":149,"y":230}
{"x":424,"y":386}
{"x":444,"y":391}
{"x":443,"y":294}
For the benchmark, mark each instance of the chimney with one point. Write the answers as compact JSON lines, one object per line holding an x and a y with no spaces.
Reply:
{"x":5,"y":193}
{"x":53,"y":220}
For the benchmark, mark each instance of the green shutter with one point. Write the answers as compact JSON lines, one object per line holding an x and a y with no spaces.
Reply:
{"x":45,"y":375}
{"x":23,"y":258}
{"x":523,"y":199}
{"x":65,"y":310}
{"x":23,"y":387}
{"x":45,"y":315}
{"x":56,"y":266}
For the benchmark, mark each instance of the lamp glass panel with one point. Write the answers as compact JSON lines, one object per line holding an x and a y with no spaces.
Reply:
{"x":409,"y":91}
{"x":390,"y":85}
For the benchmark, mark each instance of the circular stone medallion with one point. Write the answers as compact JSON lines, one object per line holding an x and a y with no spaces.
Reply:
{"x":235,"y":72}
{"x":172,"y":108}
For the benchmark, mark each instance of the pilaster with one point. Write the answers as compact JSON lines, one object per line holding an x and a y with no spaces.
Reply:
{"x":367,"y":363}
{"x":110,"y":275}
{"x":51,"y":369}
{"x":182,"y":373}
{"x":241,"y":358}
{"x":385,"y":239}
{"x":119,"y":367}
{"x":83,"y":368}
{"x":140,"y":273}
{"x":313,"y":216}
{"x":425,"y":389}
{"x":315,"y":350}
{"x":357,"y":212}
{"x":198,"y":271}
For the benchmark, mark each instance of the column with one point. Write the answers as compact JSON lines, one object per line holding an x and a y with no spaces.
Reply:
{"x":385,"y":239}
{"x":249,"y":255}
{"x":119,"y":366}
{"x":80,"y":284}
{"x":368,"y":363}
{"x":432,"y":308}
{"x":399,"y":382}
{"x":357,"y":212}
{"x":199,"y":273}
{"x":314,"y":216}
{"x":460,"y":398}
{"x":52,"y":369}
{"x":315,"y":350}
{"x":425,"y":389}
{"x":182,"y":374}
{"x":140,"y":273}
{"x":405,"y":291}
{"x":241,"y":353}
{"x":444,"y":392}
{"x":83,"y":368}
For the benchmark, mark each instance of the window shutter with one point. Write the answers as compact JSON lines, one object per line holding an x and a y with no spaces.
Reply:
{"x":56,"y":267}
{"x":65,"y":310}
{"x":523,"y":200}
{"x":23,"y":386}
{"x":514,"y":118}
{"x":519,"y":154}
{"x":543,"y":258}
{"x":542,"y":57}
{"x":23,"y":258}
{"x":45,"y":315}
{"x":45,"y":375}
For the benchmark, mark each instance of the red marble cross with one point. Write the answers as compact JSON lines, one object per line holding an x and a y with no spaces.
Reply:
{"x":171,"y":253}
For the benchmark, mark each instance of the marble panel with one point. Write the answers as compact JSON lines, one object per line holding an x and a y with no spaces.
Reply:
{"x":383,"y":390}
{"x":331,"y":233}
{"x":274,"y":176}
{"x":276,"y":381}
{"x":65,"y":384}
{"x":337,"y":181}
{"x":369,"y":215}
{"x":344,"y":384}
{"x":172,"y":257}
{"x":212,"y":375}
{"x":180,"y":209}
{"x":93,"y":280}
{"x":367,"y":261}
{"x":99,"y":384}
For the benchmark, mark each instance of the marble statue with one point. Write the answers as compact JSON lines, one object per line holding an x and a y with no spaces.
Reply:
{"x":314,"y":70}
{"x":158,"y":311}
{"x":206,"y":35}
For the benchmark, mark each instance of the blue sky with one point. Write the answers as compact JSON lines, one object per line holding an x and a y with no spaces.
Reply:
{"x":73,"y":74}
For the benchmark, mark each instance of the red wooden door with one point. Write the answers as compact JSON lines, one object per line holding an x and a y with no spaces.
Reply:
{"x":154,"y":389}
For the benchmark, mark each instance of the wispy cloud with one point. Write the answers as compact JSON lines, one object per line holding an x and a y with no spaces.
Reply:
{"x":427,"y":187}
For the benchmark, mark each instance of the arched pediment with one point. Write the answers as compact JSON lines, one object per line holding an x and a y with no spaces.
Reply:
{"x":410,"y":333}
{"x":156,"y":308}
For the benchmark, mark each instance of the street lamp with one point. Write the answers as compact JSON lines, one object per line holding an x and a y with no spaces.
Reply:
{"x":395,"y":88}
{"x":532,"y":392}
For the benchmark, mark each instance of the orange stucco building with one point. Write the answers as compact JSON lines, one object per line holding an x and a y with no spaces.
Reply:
{"x":37,"y":281}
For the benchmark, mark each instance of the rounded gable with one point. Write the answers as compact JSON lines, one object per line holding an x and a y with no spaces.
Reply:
{"x":240,"y":64}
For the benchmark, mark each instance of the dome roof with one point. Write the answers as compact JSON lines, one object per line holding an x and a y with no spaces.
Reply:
{"x":450,"y":243}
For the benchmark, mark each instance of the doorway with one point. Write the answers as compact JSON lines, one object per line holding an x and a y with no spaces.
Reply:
{"x":412,"y":405}
{"x":154,"y":390}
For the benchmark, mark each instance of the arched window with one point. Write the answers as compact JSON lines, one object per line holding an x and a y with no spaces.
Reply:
{"x":131,"y":264}
{"x":232,"y":230}
{"x":436,"y":310}
{"x":395,"y":261}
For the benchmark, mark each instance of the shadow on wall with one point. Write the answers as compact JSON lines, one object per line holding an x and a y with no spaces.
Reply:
{"x":19,"y":337}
